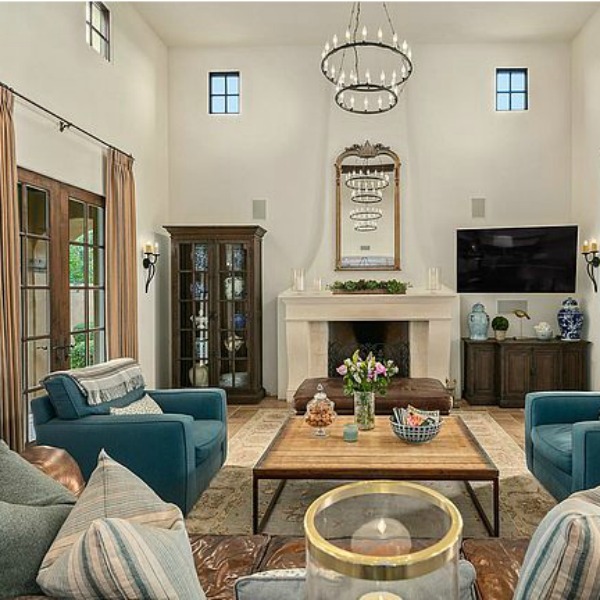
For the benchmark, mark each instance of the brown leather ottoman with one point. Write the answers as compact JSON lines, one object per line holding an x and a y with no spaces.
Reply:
{"x":420,"y":392}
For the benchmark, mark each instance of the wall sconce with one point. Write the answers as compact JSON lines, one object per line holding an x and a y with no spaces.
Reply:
{"x":592,"y":260}
{"x":150,"y":258}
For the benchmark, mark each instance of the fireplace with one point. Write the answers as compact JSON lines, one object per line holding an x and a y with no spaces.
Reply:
{"x":387,"y":340}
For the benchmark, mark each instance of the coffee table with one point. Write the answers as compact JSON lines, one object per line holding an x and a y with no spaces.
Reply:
{"x":454,"y":455}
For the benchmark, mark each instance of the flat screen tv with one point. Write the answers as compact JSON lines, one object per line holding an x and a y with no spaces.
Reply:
{"x":517,"y":260}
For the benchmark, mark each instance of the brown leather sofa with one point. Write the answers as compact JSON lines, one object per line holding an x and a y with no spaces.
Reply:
{"x":221,"y":559}
{"x":421,"y":392}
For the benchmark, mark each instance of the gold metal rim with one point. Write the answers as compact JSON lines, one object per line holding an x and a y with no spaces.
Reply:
{"x":389,"y":568}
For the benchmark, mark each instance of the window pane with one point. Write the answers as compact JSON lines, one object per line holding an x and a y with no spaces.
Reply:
{"x":77,"y":307}
{"x":96,"y":17}
{"x":36,"y":262}
{"x":96,"y":266}
{"x":37,"y":308}
{"x":96,"y":309}
{"x":233,"y":104}
{"x":96,"y":226}
{"x":78,"y":350}
{"x":502,"y":102}
{"x":517,"y":81}
{"x":233,"y":84}
{"x":76,"y":265}
{"x":37,"y":211}
{"x":217,"y":84}
{"x":97,"y":42}
{"x":217,"y":105}
{"x":76,"y":221}
{"x":518,"y":102}
{"x":104,"y":49}
{"x":20,"y":197}
{"x":502,"y":81}
{"x":38,"y":361}
{"x":97,"y":348}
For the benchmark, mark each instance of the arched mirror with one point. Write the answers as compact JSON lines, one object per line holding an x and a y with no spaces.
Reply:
{"x":367,"y":209}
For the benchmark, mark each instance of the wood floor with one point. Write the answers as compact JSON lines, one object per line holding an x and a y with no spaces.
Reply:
{"x":512,"y":420}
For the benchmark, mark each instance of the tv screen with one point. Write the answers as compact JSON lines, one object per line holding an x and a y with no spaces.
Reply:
{"x":517,"y":260}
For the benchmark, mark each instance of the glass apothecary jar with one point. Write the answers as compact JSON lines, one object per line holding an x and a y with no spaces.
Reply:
{"x":320,"y":412}
{"x":382,"y":540}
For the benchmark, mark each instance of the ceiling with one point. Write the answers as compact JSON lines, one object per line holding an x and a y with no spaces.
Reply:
{"x":312,"y":23}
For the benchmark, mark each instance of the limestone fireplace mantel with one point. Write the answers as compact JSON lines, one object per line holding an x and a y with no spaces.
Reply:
{"x":305,"y":317}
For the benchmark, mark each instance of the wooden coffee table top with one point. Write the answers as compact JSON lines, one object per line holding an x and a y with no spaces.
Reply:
{"x":296,"y":453}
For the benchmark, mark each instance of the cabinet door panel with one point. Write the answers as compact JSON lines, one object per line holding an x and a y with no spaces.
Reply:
{"x":516,"y":375}
{"x":575,"y":369}
{"x":480,"y":374}
{"x":547,"y":366}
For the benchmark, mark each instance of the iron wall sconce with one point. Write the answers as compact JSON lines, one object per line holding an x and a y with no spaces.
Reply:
{"x":150,"y":259}
{"x":592,"y":260}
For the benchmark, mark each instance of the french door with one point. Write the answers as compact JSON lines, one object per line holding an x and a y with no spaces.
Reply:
{"x":62,"y":280}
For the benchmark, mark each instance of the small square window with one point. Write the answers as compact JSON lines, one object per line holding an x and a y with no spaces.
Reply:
{"x":97,"y":26}
{"x":224,"y":93}
{"x":511,"y":89}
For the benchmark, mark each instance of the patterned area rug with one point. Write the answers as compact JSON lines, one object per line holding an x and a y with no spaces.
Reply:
{"x":225,"y":508}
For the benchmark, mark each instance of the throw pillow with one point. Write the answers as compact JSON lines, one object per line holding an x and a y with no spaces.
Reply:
{"x":145,"y":406}
{"x":120,"y":526}
{"x":563,"y":555}
{"x":32,"y":509}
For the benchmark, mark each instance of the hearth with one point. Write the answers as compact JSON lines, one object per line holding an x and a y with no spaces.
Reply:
{"x":387,"y":340}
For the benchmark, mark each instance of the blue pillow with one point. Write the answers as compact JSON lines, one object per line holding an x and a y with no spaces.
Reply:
{"x":69,"y":402}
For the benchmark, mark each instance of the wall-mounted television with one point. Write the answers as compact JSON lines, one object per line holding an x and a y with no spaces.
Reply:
{"x":517,"y":260}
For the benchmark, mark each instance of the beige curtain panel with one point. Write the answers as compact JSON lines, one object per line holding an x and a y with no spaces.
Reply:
{"x":11,"y":408}
{"x":121,"y":257}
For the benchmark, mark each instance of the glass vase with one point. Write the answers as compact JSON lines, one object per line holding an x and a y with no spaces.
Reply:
{"x":364,"y":410}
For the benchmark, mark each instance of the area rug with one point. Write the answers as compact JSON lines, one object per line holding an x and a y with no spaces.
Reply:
{"x":225,"y":508}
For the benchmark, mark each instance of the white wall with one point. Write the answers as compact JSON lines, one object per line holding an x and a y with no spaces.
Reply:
{"x":452,"y":143}
{"x":44,"y":55}
{"x":586,"y":163}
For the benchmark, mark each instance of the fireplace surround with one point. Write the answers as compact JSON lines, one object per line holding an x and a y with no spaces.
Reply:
{"x":304,"y":336}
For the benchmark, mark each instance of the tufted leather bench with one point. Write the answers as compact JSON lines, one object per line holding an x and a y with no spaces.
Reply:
{"x":421,"y":392}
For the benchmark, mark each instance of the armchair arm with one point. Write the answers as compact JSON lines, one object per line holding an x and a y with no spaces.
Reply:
{"x":204,"y":403}
{"x":586,"y":455}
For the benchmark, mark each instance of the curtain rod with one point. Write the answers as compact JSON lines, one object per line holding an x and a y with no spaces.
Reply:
{"x":62,"y":122}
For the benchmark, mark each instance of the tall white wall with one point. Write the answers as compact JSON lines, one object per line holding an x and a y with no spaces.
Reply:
{"x":44,"y":55}
{"x":586,"y":163}
{"x":452,"y":143}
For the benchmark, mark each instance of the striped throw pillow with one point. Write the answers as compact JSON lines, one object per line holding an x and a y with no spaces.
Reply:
{"x":563,"y":558}
{"x":120,"y":541}
{"x":144,"y":406}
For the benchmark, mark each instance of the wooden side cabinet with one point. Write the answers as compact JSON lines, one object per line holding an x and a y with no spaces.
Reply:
{"x":216,"y":302}
{"x":503,"y":372}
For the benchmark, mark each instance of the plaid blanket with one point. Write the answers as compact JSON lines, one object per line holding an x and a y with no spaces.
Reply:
{"x":106,"y":381}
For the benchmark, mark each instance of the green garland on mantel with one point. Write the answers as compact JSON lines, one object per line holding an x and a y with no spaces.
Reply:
{"x":369,"y":286}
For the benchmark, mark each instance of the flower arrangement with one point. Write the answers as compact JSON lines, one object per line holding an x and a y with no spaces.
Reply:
{"x":364,"y":378}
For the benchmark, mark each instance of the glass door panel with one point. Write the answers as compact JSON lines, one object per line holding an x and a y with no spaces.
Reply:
{"x":201,"y":313}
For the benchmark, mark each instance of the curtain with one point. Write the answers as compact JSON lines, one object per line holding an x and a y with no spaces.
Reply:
{"x":11,"y":401}
{"x":121,"y":258}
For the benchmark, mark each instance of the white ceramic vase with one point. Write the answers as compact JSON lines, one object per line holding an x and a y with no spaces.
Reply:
{"x":199,"y":375}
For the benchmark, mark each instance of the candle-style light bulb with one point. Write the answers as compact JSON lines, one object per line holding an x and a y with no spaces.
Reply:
{"x":352,"y":102}
{"x":326,"y":65}
{"x":403,"y":71}
{"x":380,"y":102}
{"x":409,"y":54}
{"x":379,"y":35}
{"x":382,"y":77}
{"x":347,"y":35}
{"x":395,"y":39}
{"x":404,"y":46}
{"x":394,"y":76}
{"x":366,"y":103}
{"x":364,"y":32}
{"x":332,"y":71}
{"x":368,"y":76}
{"x":335,"y":40}
{"x":327,"y":47}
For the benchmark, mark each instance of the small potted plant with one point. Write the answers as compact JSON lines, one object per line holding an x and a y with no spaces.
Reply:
{"x":500,"y":325}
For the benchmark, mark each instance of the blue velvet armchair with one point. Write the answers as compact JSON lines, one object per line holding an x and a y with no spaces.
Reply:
{"x":562,"y":440}
{"x":176,"y":453}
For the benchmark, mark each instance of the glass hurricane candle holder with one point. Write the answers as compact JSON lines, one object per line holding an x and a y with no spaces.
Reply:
{"x":382,"y":540}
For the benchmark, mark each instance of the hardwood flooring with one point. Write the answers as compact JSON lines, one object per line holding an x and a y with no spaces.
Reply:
{"x":512,"y":420}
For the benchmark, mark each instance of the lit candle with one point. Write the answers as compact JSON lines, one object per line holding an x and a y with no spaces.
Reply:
{"x":586,"y":246}
{"x":380,"y":596}
{"x":381,"y":537}
{"x":148,"y":248}
{"x":156,"y":248}
{"x":379,"y":35}
{"x":594,"y":245}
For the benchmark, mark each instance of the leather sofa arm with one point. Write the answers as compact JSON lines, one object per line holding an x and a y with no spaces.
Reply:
{"x":58,"y":464}
{"x":201,"y":404}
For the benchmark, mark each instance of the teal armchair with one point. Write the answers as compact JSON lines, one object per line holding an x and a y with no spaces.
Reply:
{"x":562,"y":440}
{"x":177,"y":453}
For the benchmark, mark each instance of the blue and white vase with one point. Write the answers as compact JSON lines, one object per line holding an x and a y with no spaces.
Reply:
{"x":479,"y":322}
{"x":238,"y":258}
{"x":570,"y":320}
{"x":239,"y":321}
{"x":200,"y":257}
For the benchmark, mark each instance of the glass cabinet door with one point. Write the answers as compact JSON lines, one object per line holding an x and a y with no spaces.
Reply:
{"x":194,"y":314}
{"x":234,"y":316}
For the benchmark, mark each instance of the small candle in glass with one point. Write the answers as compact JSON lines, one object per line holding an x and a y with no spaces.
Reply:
{"x":351,"y":432}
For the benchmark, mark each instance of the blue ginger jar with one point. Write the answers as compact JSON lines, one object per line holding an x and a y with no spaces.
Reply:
{"x":570,"y":320}
{"x":479,"y":322}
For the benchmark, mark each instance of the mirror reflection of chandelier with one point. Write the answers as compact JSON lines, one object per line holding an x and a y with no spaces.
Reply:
{"x":367,"y":196}
{"x":365,"y":226}
{"x":357,"y":66}
{"x":367,"y":178}
{"x":366,"y":213}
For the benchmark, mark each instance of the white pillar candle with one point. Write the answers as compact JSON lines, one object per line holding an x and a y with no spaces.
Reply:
{"x":148,"y":247}
{"x":380,"y":596}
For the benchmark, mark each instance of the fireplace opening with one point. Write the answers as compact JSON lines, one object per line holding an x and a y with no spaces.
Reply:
{"x":387,"y":340}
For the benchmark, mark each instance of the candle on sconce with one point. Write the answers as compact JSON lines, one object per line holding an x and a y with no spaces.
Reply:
{"x":586,"y":246}
{"x":148,"y":248}
{"x":156,"y":248}
{"x":594,"y":245}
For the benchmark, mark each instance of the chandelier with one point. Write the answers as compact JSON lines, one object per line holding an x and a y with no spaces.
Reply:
{"x":366,"y":213}
{"x":365,"y":226}
{"x":357,"y":67}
